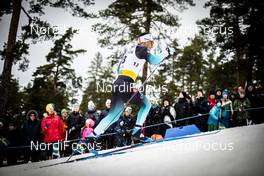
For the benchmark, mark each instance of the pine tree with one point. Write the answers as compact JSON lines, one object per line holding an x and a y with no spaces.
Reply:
{"x":15,"y":101}
{"x":56,"y":81}
{"x":124,"y":20}
{"x":15,"y":50}
{"x":192,"y":66}
{"x":239,"y":26}
{"x":99,"y":82}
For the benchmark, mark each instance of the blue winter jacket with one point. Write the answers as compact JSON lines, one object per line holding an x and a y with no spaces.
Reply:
{"x":214,"y":115}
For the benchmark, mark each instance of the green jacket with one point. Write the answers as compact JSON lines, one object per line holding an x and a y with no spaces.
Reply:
{"x":240,"y":106}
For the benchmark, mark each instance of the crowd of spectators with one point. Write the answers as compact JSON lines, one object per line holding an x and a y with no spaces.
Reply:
{"x":221,"y":109}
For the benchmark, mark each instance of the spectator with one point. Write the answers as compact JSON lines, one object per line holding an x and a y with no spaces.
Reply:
{"x":31,"y":133}
{"x":91,"y":113}
{"x":260,"y":92}
{"x":106,"y":110}
{"x":218,"y":94}
{"x":107,"y":140}
{"x":240,"y":106}
{"x":211,"y":99}
{"x":87,"y":129}
{"x":255,"y":102}
{"x":64,"y":117}
{"x":123,"y":128}
{"x":3,"y":143}
{"x":201,"y":107}
{"x":233,"y":96}
{"x":183,"y":109}
{"x":168,"y":116}
{"x":154,"y":117}
{"x":75,"y":123}
{"x":129,"y":123}
{"x":13,"y":139}
{"x":227,"y":111}
{"x":214,"y":116}
{"x":52,"y":127}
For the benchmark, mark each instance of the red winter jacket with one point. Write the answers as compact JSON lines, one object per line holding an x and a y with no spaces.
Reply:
{"x":211,"y":102}
{"x":52,"y":128}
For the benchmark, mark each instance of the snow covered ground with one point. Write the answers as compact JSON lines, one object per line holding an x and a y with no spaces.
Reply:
{"x":236,"y":151}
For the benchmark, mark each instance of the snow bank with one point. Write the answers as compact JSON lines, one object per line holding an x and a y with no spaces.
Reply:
{"x":236,"y":151}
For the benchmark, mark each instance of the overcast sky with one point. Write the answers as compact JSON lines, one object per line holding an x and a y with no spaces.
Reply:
{"x":86,"y":39}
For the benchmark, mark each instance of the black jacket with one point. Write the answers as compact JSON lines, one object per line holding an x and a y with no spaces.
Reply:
{"x":31,"y":131}
{"x":183,"y":108}
{"x":124,"y":124}
{"x":77,"y":121}
{"x":154,"y":118}
{"x":201,"y":105}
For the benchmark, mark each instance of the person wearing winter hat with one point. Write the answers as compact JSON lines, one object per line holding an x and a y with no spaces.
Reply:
{"x":106,"y":110}
{"x":13,"y":138}
{"x":214,"y":116}
{"x":201,"y":108}
{"x":52,"y":125}
{"x":75,"y":123}
{"x":241,"y":105}
{"x":124,"y":128}
{"x":255,"y":101}
{"x":31,"y":133}
{"x":87,"y":129}
{"x":107,"y":141}
{"x":168,"y":115}
{"x":52,"y":128}
{"x":64,"y":114}
{"x":154,"y":117}
{"x":64,"y":117}
{"x":50,"y":108}
{"x":227,"y":110}
{"x":211,"y":99}
{"x":218,"y":94}
{"x":92,"y":113}
{"x":129,"y":123}
{"x":183,"y":109}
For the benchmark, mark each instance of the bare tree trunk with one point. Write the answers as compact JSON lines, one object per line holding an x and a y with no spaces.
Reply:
{"x":9,"y":58}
